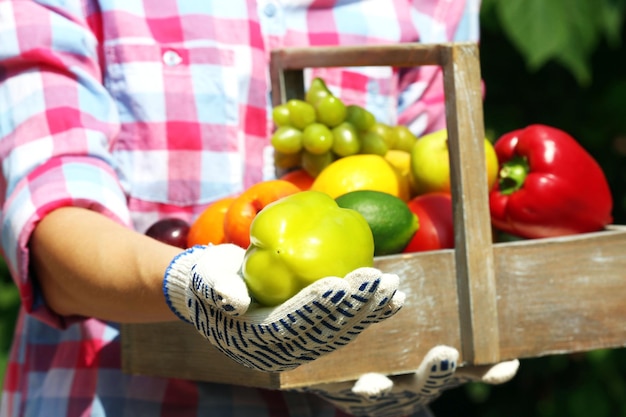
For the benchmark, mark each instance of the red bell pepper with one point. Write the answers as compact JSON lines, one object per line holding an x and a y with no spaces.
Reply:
{"x":548,"y":185}
{"x":436,"y":230}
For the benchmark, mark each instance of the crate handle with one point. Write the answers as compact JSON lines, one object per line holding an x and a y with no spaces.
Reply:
{"x":474,"y":258}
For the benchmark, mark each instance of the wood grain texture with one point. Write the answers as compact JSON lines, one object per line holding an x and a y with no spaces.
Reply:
{"x":562,"y":295}
{"x":468,"y":179}
{"x":553,"y":296}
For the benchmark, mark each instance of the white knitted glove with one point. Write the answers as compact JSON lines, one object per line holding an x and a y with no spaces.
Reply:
{"x":377,"y":395}
{"x":203,"y":286}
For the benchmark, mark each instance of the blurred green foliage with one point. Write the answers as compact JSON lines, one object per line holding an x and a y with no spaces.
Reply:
{"x":564,"y":31}
{"x":562,"y":63}
{"x":9,"y":303}
{"x":577,"y":385}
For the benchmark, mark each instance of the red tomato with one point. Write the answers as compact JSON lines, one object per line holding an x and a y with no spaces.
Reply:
{"x":436,"y":231}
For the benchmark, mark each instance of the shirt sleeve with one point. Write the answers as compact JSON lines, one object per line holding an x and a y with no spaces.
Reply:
{"x":56,"y":126}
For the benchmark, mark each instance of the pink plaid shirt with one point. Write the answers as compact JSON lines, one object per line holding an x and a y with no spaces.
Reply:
{"x":141,"y":109}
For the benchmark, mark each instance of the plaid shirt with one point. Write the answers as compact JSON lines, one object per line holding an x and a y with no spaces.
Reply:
{"x":141,"y":109}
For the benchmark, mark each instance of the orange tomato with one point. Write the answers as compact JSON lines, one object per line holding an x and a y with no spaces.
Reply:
{"x":209,"y":226}
{"x":245,"y":207}
{"x":299,"y":177}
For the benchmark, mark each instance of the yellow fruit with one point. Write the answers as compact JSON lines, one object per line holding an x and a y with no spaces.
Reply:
{"x":401,"y":161}
{"x":361,"y":172}
{"x":491,"y":159}
{"x":392,"y":223}
{"x":430,"y":163}
{"x":404,"y":138}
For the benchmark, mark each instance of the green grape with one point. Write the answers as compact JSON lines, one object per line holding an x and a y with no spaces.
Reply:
{"x":373,"y":143}
{"x":286,"y":161}
{"x":314,"y":164}
{"x":360,"y":117}
{"x":331,"y":111}
{"x":345,"y":140}
{"x":287,"y":139}
{"x":301,"y":113}
{"x":317,"y":138}
{"x":316,"y":91}
{"x":280,"y":115}
{"x":386,"y":132}
{"x":405,"y":139}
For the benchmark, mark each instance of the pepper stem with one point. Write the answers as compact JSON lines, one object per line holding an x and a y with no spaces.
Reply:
{"x":513,"y":174}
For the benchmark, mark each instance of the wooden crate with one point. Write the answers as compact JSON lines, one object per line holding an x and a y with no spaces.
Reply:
{"x":491,"y":301}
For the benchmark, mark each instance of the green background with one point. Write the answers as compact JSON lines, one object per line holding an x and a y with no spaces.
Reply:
{"x":561,"y":63}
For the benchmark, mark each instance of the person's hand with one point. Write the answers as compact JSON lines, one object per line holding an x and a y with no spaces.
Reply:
{"x":377,"y":395}
{"x":203,"y":286}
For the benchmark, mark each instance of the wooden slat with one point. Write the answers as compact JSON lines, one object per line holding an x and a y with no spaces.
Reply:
{"x":554,"y":296}
{"x":562,"y":295}
{"x":175,"y":349}
{"x":395,"y":55}
{"x":472,"y":224}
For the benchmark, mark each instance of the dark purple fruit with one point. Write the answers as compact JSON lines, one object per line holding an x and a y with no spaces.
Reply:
{"x":172,"y":231}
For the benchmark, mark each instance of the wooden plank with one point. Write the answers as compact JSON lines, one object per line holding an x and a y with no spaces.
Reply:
{"x":394,"y":55}
{"x":554,"y":296}
{"x":473,"y":243}
{"x":562,"y":295}
{"x":175,"y":349}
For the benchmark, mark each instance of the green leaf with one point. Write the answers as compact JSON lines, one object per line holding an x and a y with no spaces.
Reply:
{"x":535,"y":27}
{"x":576,"y":64}
{"x":9,"y":296}
{"x":564,"y":31}
{"x":611,"y":18}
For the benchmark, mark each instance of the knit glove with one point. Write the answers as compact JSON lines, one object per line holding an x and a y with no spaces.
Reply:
{"x":377,"y":395}
{"x":204,"y":286}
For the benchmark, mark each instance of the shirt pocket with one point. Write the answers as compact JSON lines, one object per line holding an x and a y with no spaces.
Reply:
{"x":179,"y":140}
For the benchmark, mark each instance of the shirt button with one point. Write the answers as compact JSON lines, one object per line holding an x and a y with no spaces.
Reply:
{"x":269,"y":9}
{"x":171,"y":58}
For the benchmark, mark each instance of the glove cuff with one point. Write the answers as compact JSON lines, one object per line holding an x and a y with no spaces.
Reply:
{"x":176,"y":281}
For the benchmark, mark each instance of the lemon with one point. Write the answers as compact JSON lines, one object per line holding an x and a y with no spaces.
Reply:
{"x":361,"y":172}
{"x":392,"y":223}
{"x":401,"y":161}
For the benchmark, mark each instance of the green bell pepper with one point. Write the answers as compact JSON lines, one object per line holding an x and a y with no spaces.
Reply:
{"x":299,"y":239}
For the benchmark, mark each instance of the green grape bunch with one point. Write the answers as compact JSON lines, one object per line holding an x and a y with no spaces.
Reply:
{"x":313,"y":132}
